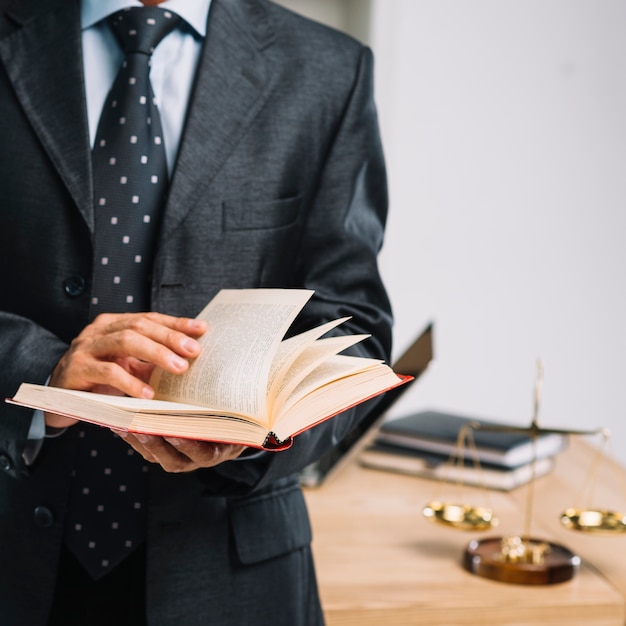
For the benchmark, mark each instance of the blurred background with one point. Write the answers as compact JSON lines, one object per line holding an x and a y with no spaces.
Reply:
{"x":504,"y":128}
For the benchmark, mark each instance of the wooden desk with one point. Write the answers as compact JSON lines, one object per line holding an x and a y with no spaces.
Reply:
{"x":380,"y":562}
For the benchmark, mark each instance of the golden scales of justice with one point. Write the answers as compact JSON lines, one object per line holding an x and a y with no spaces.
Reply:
{"x":523,"y":559}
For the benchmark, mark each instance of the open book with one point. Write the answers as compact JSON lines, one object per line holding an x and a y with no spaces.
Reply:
{"x":248,"y":386}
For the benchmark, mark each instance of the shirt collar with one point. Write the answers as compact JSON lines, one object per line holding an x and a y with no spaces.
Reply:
{"x":194,"y":12}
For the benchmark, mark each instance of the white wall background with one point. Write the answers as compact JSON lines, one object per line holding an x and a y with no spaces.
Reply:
{"x":504,"y":124}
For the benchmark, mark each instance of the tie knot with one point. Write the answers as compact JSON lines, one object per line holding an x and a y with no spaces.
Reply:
{"x":140,"y":29}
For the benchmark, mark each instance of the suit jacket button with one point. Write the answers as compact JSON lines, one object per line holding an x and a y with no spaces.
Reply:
{"x":44,"y":518}
{"x":5,"y":462}
{"x":74,"y":285}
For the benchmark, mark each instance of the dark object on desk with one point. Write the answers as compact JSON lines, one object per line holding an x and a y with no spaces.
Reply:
{"x":413,"y":362}
{"x":437,"y":432}
{"x":452,"y":469}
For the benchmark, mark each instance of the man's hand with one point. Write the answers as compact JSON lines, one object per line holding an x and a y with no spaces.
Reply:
{"x":181,"y":455}
{"x":117,"y":353}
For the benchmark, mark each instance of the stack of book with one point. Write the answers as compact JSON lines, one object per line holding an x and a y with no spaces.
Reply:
{"x":427,"y":444}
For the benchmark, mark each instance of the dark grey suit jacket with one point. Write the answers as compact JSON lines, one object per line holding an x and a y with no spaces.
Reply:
{"x":279,"y":182}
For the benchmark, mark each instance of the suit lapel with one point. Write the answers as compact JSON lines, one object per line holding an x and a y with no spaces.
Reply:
{"x":43,"y":59}
{"x":233,"y":82}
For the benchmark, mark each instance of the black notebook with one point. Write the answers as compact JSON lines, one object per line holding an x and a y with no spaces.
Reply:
{"x":438,"y":432}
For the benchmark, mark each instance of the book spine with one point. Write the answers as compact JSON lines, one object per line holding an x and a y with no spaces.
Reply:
{"x":274,"y":444}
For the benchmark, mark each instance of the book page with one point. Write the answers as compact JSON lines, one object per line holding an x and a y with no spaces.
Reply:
{"x":288,"y":352}
{"x":311,"y":357}
{"x":246,"y":327}
{"x":331,"y":370}
{"x":333,"y":387}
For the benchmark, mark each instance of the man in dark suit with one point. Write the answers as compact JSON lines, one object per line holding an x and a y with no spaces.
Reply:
{"x":276,"y":180}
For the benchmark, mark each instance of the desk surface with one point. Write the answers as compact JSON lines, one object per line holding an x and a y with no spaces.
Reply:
{"x":379,"y":561}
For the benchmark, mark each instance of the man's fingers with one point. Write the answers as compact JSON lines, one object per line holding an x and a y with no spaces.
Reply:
{"x":181,"y":455}
{"x":100,"y":377}
{"x":149,"y":337}
{"x":110,"y":350}
{"x":133,"y":441}
{"x":156,"y":450}
{"x":205,"y":453}
{"x":187,"y":325}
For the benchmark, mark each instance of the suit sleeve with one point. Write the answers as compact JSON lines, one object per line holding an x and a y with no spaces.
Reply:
{"x":338,"y":260}
{"x":29,"y":353}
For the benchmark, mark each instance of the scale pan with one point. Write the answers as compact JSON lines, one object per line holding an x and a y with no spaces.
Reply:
{"x":594,"y":520}
{"x":460,"y":516}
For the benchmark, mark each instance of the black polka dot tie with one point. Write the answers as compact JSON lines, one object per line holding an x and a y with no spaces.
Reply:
{"x":129,"y":168}
{"x":106,"y":515}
